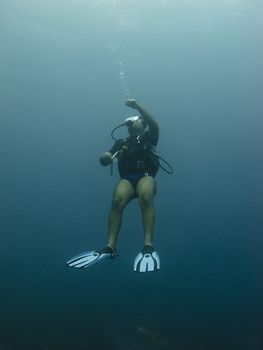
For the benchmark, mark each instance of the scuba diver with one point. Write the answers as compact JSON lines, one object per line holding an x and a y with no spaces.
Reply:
{"x":138,"y":164}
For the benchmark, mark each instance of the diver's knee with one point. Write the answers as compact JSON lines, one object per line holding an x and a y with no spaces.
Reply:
{"x":118,"y":202}
{"x":145,"y":200}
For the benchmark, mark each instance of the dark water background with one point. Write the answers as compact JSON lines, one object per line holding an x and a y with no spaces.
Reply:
{"x":64,"y":68}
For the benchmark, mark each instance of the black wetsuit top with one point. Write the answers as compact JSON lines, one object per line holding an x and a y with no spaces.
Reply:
{"x":137,"y":157}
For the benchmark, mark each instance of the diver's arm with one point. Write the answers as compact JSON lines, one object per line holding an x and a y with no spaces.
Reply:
{"x":148,"y":117}
{"x":115,"y":152}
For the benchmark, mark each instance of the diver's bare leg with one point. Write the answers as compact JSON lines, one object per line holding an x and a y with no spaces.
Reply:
{"x":146,"y":190}
{"x":122,"y":194}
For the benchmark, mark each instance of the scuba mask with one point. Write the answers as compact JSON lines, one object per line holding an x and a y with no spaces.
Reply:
{"x":129,"y":122}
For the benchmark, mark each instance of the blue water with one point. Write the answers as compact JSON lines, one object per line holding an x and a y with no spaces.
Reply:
{"x":65,"y":69}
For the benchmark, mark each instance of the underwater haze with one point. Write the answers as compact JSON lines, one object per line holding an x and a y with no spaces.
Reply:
{"x":66,"y":68}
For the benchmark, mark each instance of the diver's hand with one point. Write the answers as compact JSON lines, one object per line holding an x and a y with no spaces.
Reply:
{"x":131,"y":102}
{"x":105,"y":158}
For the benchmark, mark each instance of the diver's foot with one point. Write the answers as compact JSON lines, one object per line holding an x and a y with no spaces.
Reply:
{"x":147,"y":260}
{"x":108,"y":250}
